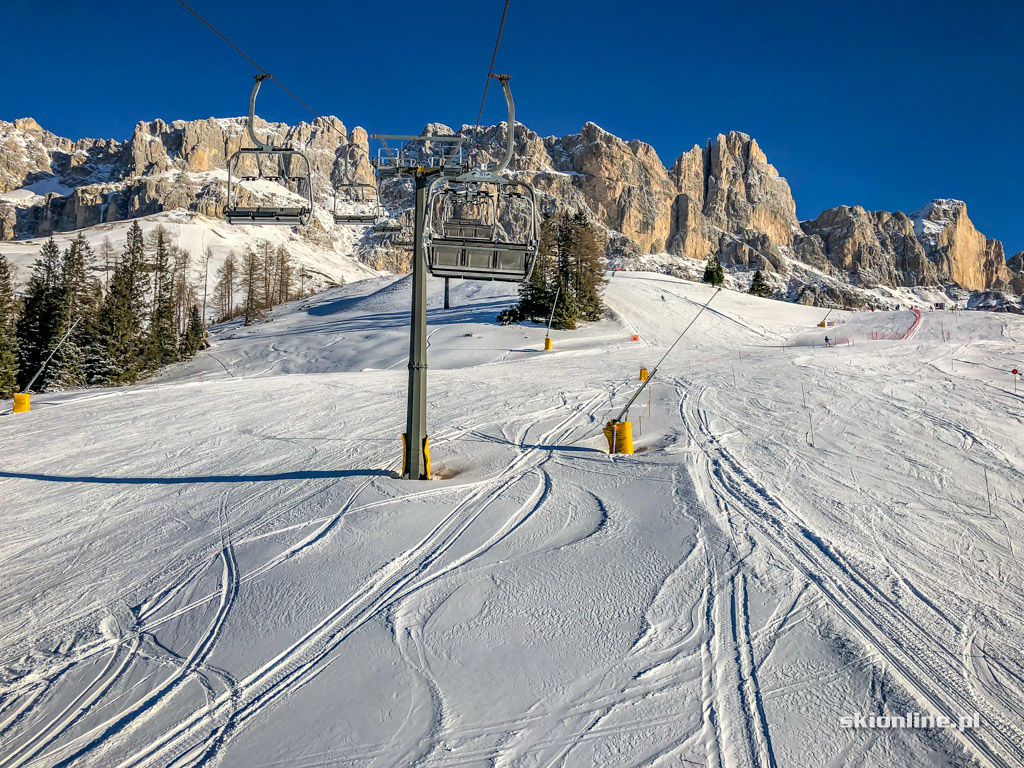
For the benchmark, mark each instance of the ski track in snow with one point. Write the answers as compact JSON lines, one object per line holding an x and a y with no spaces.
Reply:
{"x":298,"y":664}
{"x":928,"y":668}
{"x":691,"y":576}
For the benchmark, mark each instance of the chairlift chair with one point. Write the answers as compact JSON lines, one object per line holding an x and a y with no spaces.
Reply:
{"x":468,"y":215}
{"x":282,"y":158}
{"x":388,"y":225}
{"x":363,"y":195}
{"x":402,"y":238}
{"x":472,"y":229}
{"x":359,"y":193}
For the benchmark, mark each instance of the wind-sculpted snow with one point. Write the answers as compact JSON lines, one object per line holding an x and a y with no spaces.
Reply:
{"x":220,"y":567}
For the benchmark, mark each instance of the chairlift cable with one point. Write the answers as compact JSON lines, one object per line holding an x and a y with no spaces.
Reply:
{"x":494,"y":56}
{"x":222,"y":37}
{"x":248,"y":58}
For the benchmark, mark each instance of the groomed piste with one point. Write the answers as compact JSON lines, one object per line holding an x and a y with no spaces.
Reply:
{"x":220,"y":567}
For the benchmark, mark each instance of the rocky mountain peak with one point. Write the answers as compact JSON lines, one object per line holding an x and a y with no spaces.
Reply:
{"x":961,"y":253}
{"x":28,"y":125}
{"x":731,"y":201}
{"x":723,"y":197}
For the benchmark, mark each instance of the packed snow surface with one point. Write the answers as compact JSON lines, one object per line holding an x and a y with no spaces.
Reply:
{"x":220,"y":567}
{"x":330,"y":263}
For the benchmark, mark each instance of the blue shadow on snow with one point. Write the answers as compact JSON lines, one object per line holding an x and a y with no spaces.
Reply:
{"x":308,"y":475}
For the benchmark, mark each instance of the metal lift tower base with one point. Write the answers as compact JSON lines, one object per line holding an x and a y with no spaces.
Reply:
{"x":417,"y":461}
{"x":412,"y":160}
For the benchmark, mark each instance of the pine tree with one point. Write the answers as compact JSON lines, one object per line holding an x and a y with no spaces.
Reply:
{"x":77,"y":317}
{"x":567,"y":277}
{"x":268,"y":266}
{"x":192,"y":340}
{"x":224,"y":289}
{"x":587,"y":271}
{"x":8,"y":336}
{"x":119,"y":351}
{"x":285,"y":275}
{"x":95,"y":351}
{"x":109,"y":259}
{"x":162,"y":341}
{"x":536,"y":293}
{"x":566,"y":314}
{"x":251,"y":280}
{"x":136,"y":268}
{"x":759,"y":286}
{"x":40,"y":317}
{"x":713,"y":272}
{"x":207,"y":258}
{"x":182,"y":289}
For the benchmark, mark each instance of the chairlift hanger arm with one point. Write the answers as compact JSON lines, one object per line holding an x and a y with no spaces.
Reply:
{"x":494,"y":174}
{"x":511,"y":123}
{"x":251,"y":128}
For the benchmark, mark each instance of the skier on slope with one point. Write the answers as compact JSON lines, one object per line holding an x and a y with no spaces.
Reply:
{"x":828,"y":342}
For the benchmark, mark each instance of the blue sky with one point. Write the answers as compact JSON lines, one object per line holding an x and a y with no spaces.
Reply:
{"x":883,"y":104}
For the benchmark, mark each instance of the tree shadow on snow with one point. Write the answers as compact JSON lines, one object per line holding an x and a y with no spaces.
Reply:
{"x":480,"y":312}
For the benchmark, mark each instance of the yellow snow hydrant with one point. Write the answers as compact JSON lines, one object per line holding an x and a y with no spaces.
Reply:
{"x":620,"y":436}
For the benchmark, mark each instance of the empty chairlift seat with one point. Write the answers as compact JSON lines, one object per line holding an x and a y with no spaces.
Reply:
{"x":481,"y":230}
{"x":361,"y":198}
{"x":287,"y":215}
{"x":291,"y":169}
{"x":468,"y":229}
{"x":363,"y":195}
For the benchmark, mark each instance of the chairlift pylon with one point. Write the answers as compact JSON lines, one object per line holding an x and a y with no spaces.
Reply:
{"x":481,"y":225}
{"x":281,"y":157}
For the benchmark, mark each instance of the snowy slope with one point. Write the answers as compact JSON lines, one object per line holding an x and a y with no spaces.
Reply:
{"x":227,"y":572}
{"x":335,"y":263}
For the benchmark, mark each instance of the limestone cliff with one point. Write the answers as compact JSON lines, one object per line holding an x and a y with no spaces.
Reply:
{"x":723,"y":198}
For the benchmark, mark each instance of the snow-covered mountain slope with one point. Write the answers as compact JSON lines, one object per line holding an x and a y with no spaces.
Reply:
{"x":723,"y":198}
{"x":227,"y":572}
{"x":195,"y":233}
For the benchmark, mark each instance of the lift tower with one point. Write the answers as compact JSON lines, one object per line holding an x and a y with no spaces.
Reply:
{"x":422,"y":159}
{"x":466,"y":226}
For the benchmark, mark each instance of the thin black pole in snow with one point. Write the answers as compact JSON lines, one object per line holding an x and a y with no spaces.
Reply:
{"x":553,"y":305}
{"x":41,"y":367}
{"x":650,"y":376}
